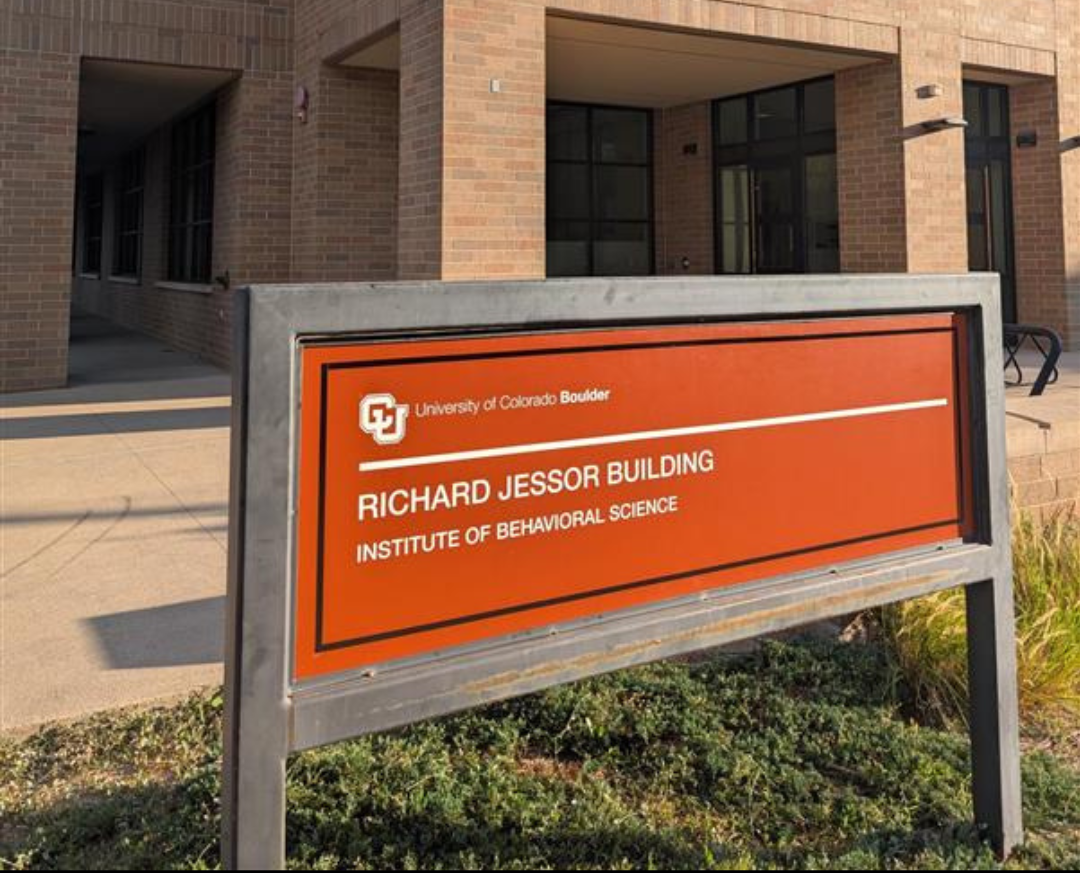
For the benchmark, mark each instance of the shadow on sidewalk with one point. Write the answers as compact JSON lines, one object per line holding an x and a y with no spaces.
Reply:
{"x":176,"y":635}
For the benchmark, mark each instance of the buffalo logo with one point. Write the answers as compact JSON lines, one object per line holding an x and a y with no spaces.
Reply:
{"x":383,"y":418}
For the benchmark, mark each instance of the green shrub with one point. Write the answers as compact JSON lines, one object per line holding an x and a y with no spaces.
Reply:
{"x":929,"y":641}
{"x":791,"y":757}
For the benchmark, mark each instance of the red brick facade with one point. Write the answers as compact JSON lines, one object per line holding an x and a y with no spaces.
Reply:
{"x":434,"y":167}
{"x":870,"y":170}
{"x":682,"y":159}
{"x":39,"y":93}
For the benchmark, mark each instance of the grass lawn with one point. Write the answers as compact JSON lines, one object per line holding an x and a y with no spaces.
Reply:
{"x":798,"y":756}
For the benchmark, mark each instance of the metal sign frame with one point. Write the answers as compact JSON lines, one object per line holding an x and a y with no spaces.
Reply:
{"x":266,"y":719}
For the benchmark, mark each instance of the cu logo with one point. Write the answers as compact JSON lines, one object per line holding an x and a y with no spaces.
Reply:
{"x":383,"y":418}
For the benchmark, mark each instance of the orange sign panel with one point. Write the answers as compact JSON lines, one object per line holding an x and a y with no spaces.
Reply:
{"x":461,"y":489}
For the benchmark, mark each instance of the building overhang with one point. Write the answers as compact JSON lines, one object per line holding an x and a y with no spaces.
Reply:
{"x":121,"y":103}
{"x":594,"y":61}
{"x":600,"y":62}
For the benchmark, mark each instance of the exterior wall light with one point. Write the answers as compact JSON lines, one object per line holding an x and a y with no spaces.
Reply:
{"x":300,"y":104}
{"x":1027,"y":139}
{"x":944,"y":123}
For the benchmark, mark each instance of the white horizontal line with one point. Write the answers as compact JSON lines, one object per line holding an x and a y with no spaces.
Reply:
{"x":644,"y":435}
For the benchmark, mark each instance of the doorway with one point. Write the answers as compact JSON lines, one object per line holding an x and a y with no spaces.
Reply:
{"x":988,"y":167}
{"x":776,"y":190}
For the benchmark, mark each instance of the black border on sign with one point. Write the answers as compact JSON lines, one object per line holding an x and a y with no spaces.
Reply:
{"x":322,"y":647}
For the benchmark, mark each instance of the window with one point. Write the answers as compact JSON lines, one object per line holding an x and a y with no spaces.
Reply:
{"x":93,"y":212}
{"x":599,"y":191}
{"x":777,"y":207}
{"x":988,"y":164}
{"x":822,"y":214}
{"x":127,"y":234}
{"x":191,"y":197}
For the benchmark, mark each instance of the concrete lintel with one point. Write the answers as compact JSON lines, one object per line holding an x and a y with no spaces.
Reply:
{"x":775,"y":25}
{"x":363,"y":23}
{"x":1006,"y":63}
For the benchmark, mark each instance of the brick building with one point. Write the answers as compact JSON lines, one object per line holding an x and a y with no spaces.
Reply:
{"x":155,"y":154}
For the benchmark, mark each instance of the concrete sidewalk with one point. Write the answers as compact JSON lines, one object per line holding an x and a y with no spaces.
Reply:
{"x":1043,"y":435}
{"x":113,"y":505}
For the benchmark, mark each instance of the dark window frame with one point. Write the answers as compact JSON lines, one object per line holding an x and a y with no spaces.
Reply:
{"x":129,"y":215}
{"x":93,"y":211}
{"x":594,"y":221}
{"x":981,"y":148}
{"x":192,"y":158}
{"x":789,"y":152}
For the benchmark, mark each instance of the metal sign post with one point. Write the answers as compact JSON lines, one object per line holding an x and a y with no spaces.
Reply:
{"x":701,"y":460}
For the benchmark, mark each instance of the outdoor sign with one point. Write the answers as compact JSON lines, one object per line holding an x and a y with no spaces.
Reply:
{"x":438,"y":506}
{"x":454,"y":490}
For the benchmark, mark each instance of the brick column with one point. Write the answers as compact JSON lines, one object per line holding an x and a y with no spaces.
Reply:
{"x":471,"y":171}
{"x":1046,"y":190}
{"x":870,"y":169}
{"x":935,"y":212}
{"x":1068,"y":65}
{"x":493,"y":170}
{"x":420,"y":149}
{"x":253,"y":178}
{"x":346,"y":167}
{"x":39,"y":94}
{"x":1037,"y":207}
{"x":683,"y":190}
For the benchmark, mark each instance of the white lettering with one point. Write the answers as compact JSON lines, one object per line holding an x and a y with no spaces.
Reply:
{"x":427,"y":498}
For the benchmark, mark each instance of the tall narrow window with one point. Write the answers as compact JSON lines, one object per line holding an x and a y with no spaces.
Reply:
{"x":599,"y":191}
{"x":93,"y":213}
{"x":191,"y":201}
{"x":988,"y":161}
{"x":127,"y":235}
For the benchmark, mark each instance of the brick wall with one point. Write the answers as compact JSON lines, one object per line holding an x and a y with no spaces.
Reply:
{"x":1068,"y":48}
{"x":253,"y":184}
{"x":1046,"y":483}
{"x":39,"y":94}
{"x":344,"y":198}
{"x":935,"y":191}
{"x":870,"y":169}
{"x":493,"y":177}
{"x":346,"y":227}
{"x":225,"y":34}
{"x":471,"y":172}
{"x":683,"y":189}
{"x":1046,"y":189}
{"x":432,"y":174}
{"x":1037,"y":207}
{"x":41,"y":45}
{"x":857,"y":25}
{"x":1044,"y":452}
{"x":420,"y":166}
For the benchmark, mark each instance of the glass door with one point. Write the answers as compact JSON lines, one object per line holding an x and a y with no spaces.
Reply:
{"x":822,"y":214}
{"x":735,"y":219}
{"x":989,"y":188}
{"x":775,"y":213}
{"x":776,"y":194}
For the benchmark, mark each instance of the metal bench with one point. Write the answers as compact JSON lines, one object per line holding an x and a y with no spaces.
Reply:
{"x":1046,"y":342}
